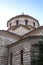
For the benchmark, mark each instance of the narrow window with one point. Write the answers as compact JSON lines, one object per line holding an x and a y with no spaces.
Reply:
{"x":10,"y":24}
{"x":26,"y":22}
{"x":21,"y":57}
{"x":35,"y":54}
{"x":10,"y":58}
{"x":17,"y":22}
{"x":33,"y":24}
{"x":38,"y":24}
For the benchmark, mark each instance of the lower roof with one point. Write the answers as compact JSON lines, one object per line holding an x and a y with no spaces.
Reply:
{"x":9,"y":34}
{"x":30,"y":37}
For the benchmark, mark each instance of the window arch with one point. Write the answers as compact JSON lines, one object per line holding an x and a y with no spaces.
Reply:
{"x":34,"y":24}
{"x":10,"y":24}
{"x":10,"y":58}
{"x":26,"y":22}
{"x":17,"y":22}
{"x":21,"y":57}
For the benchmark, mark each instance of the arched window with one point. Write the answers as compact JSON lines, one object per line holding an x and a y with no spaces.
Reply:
{"x":10,"y":24}
{"x":21,"y":57}
{"x":34,"y":54}
{"x":33,"y":24}
{"x":10,"y":58}
{"x":17,"y":22}
{"x":26,"y":22}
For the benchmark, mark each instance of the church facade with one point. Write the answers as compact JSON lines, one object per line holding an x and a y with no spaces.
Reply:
{"x":18,"y":44}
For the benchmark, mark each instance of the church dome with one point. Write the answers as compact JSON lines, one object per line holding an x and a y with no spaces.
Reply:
{"x":24,"y":20}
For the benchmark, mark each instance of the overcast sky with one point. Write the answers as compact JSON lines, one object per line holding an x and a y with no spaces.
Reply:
{"x":11,"y":8}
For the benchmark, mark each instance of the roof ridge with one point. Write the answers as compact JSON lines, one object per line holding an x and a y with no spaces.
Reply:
{"x":13,"y":28}
{"x":33,"y":31}
{"x":25,"y":15}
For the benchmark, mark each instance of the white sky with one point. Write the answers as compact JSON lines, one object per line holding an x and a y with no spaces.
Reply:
{"x":11,"y":8}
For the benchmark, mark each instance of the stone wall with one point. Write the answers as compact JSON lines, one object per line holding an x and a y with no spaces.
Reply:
{"x":3,"y":55}
{"x":16,"y":53}
{"x":26,"y":46}
{"x":4,"y":41}
{"x":3,"y":52}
